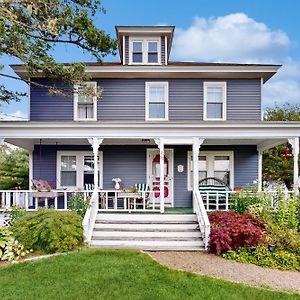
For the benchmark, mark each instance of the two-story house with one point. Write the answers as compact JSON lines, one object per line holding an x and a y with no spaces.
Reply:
{"x":160,"y":123}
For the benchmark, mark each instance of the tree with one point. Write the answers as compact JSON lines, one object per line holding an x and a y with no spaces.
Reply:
{"x":30,"y":29}
{"x":14,"y":168}
{"x":277,"y":165}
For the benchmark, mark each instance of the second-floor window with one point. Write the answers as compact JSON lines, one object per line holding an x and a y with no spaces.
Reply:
{"x":157,"y":101}
{"x":85,"y":103}
{"x":144,"y":51}
{"x":214,"y":106}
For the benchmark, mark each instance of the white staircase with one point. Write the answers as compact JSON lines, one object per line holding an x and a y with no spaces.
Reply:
{"x":147,"y":231}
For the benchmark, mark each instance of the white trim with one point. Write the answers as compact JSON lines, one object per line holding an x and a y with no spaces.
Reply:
{"x":210,"y":165}
{"x":123,"y":58}
{"x":75,"y":103}
{"x":165,"y":85}
{"x":223,"y":85}
{"x":79,"y":168}
{"x":261,"y":99}
{"x":144,"y":41}
{"x":166,"y":50}
{"x":30,"y":158}
{"x":171,"y":166}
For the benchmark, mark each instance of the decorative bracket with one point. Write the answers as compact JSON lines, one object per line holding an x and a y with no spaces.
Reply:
{"x":95,"y":142}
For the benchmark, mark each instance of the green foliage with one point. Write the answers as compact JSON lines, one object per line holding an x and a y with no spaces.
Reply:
{"x":30,"y":30}
{"x":78,"y":204}
{"x":49,"y":230}
{"x":275,"y":165}
{"x":16,"y":213}
{"x":261,"y":256}
{"x":14,"y":168}
{"x":10,"y":248}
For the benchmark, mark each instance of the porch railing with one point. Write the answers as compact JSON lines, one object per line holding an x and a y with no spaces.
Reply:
{"x":202,"y":217}
{"x":90,"y":216}
{"x":224,"y":200}
{"x":31,"y":200}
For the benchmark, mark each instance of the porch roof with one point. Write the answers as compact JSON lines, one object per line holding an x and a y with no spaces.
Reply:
{"x":261,"y":133}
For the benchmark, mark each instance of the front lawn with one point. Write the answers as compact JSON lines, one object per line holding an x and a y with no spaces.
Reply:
{"x":115,"y":274}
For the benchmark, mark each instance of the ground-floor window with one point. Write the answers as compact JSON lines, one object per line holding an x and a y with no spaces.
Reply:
{"x":218,"y":164}
{"x":76,"y":169}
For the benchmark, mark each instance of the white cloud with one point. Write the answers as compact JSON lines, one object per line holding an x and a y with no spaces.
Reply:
{"x":16,"y":116}
{"x":239,"y":38}
{"x":234,"y":37}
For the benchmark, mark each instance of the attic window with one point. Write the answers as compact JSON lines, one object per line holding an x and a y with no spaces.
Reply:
{"x":144,"y":51}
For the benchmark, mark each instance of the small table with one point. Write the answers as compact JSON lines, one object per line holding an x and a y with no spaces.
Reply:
{"x":128,"y":197}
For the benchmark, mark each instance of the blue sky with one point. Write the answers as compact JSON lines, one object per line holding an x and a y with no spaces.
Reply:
{"x":258,"y":31}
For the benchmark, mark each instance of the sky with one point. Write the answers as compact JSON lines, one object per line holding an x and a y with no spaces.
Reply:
{"x":243,"y":31}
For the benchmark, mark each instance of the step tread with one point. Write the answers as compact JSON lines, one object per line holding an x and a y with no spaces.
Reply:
{"x":150,"y":238}
{"x":119,"y":233}
{"x":143,"y":222}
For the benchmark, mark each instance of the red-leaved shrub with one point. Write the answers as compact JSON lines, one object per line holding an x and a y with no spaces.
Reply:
{"x":230,"y":231}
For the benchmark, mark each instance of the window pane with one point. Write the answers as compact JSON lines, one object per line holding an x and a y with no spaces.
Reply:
{"x":68,"y":163}
{"x":68,"y":178}
{"x":214,"y":94}
{"x":156,"y":94}
{"x":88,"y":169}
{"x":156,"y":110}
{"x":202,"y":175}
{"x":137,"y":57}
{"x":85,"y":111}
{"x":223,"y":175}
{"x":222,"y":163}
{"x":152,"y":57}
{"x":152,"y":47}
{"x":214,"y":110}
{"x":137,"y":47}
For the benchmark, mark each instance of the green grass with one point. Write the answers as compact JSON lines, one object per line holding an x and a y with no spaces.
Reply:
{"x":113,"y":274}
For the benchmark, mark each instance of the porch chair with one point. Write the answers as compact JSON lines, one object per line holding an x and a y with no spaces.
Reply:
{"x":211,"y":190}
{"x":143,"y":188}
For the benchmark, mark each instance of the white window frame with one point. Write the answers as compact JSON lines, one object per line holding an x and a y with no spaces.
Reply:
{"x":165,"y":85}
{"x":144,"y":41}
{"x":223,"y":85}
{"x":76,"y":98}
{"x":210,"y":165}
{"x":79,"y":168}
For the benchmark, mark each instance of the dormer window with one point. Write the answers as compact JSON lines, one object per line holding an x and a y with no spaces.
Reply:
{"x":85,"y":105}
{"x":144,"y":51}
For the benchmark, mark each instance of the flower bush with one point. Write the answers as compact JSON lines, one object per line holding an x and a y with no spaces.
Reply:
{"x":49,"y":231}
{"x":231,"y":231}
{"x":10,"y":248}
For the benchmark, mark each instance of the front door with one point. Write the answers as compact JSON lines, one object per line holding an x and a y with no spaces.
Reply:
{"x":153,"y":174}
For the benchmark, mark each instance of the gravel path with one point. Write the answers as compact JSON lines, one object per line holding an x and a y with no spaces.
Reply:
{"x":212,"y":265}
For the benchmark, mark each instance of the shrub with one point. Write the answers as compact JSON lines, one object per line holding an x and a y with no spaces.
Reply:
{"x":16,"y":213}
{"x":231,"y":231}
{"x":78,"y":204}
{"x":49,"y":230}
{"x":10,"y":248}
{"x":261,"y":256}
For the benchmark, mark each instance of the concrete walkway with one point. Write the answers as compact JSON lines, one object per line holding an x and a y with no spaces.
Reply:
{"x":212,"y":265}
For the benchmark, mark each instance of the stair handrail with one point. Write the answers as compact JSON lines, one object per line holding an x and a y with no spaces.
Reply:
{"x":89,"y":219}
{"x":202,"y":217}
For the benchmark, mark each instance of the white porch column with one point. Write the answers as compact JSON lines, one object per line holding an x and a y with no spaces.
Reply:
{"x":259,"y":179}
{"x":196,"y":150}
{"x":161,"y":147}
{"x":30,"y":169}
{"x":96,"y":142}
{"x":295,"y":148}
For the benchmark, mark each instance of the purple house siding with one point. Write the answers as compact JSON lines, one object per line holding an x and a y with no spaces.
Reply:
{"x":124,"y":99}
{"x":129,"y":163}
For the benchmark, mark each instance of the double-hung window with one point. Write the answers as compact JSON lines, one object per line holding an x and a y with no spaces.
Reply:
{"x":214,"y":101}
{"x":157,"y":101}
{"x":85,"y":102}
{"x":68,"y":170}
{"x":144,"y":51}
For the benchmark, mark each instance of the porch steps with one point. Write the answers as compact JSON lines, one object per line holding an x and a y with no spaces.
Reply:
{"x":147,"y":232}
